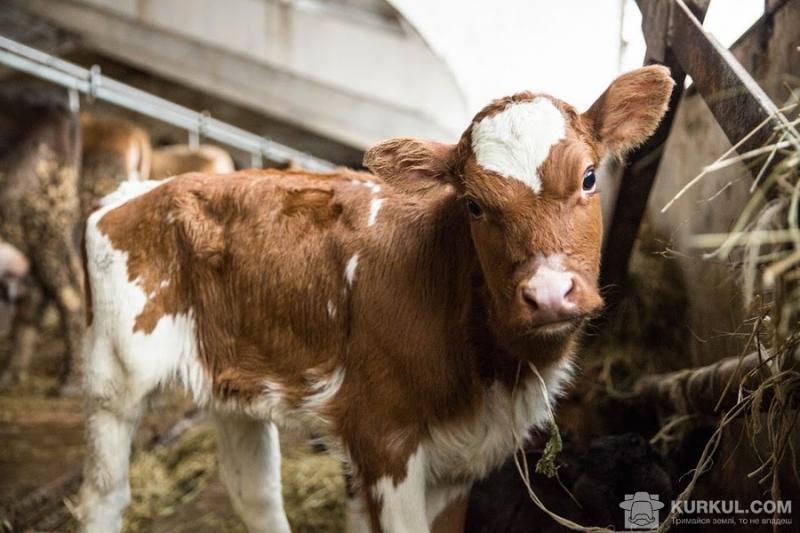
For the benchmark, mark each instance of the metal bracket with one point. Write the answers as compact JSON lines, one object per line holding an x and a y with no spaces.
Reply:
{"x":95,"y":81}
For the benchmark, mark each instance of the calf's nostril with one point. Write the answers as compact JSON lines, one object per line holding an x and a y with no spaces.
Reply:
{"x":529,"y":296}
{"x":570,"y":288}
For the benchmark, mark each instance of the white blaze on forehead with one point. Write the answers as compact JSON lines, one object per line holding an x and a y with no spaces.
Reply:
{"x":517,"y":140}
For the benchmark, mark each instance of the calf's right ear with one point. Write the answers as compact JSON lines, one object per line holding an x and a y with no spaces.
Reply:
{"x":411,"y":164}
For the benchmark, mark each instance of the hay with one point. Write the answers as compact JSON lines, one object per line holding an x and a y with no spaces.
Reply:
{"x":766,"y":242}
{"x":166,"y":478}
{"x":313,"y":492}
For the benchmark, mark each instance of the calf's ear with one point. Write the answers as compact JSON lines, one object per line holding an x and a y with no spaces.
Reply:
{"x":629,"y":111}
{"x":411,"y":164}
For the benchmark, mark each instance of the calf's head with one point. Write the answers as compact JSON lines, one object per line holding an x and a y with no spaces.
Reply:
{"x":524,"y":172}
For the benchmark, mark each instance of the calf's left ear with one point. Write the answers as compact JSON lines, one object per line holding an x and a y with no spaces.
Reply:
{"x":629,"y":111}
{"x":411,"y":164}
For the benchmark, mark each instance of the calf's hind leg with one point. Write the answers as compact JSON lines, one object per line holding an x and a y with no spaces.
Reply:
{"x":114,"y":409}
{"x":250,"y":468}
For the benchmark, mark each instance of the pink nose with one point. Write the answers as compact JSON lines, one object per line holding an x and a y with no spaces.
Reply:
{"x":547,"y":295}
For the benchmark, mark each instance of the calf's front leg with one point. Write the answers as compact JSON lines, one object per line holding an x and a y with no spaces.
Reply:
{"x":250,"y":468}
{"x":397,"y":502}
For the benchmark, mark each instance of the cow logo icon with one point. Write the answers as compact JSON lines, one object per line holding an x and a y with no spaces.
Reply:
{"x":641,"y":510}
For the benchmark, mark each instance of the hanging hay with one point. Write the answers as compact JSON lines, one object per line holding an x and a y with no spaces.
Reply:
{"x":765,"y":243}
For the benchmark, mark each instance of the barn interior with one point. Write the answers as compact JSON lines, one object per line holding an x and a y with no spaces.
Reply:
{"x":687,"y":382}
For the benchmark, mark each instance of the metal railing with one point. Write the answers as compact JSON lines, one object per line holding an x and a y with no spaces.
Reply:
{"x":92,"y":83}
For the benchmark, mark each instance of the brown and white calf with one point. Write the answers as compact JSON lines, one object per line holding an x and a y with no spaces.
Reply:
{"x":405,"y":314}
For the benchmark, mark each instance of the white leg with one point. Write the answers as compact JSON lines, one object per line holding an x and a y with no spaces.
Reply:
{"x":250,"y":468}
{"x":402,"y":505}
{"x":113,"y":414}
{"x":356,"y":515}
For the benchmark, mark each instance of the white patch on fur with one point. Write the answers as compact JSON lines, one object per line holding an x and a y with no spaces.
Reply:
{"x":273,"y":403}
{"x":122,"y":366}
{"x":472,"y":448}
{"x":324,"y":390}
{"x":164,"y":284}
{"x":331,"y":309}
{"x":516,"y":141}
{"x":171,"y":346}
{"x":127,"y":190}
{"x":374,"y":207}
{"x":403,"y":504}
{"x":369,"y":184}
{"x":350,"y":269}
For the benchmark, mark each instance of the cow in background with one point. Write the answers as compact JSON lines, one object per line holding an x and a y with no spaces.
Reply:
{"x":181,"y":158}
{"x":114,"y":150}
{"x":424,"y":319}
{"x":39,"y":215}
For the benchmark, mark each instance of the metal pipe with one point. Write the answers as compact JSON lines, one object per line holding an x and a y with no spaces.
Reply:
{"x":91,"y":82}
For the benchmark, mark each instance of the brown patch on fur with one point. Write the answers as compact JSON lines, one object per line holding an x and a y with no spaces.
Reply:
{"x":452,"y":518}
{"x":317,"y":204}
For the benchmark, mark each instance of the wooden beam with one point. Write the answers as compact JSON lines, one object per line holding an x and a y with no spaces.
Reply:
{"x":640,"y":172}
{"x":734,"y":98}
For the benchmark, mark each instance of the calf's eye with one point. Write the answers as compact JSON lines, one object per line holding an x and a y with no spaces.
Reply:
{"x":474,"y":208}
{"x":589,"y":180}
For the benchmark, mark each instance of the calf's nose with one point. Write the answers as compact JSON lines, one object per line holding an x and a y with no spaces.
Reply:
{"x":547,"y":295}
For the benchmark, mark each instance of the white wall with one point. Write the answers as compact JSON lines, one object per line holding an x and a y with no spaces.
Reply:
{"x":569,"y":48}
{"x":363,"y":70}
